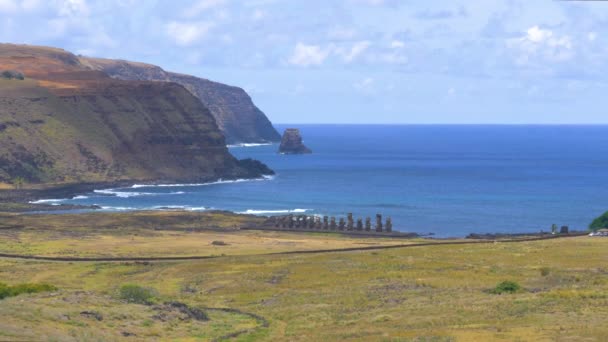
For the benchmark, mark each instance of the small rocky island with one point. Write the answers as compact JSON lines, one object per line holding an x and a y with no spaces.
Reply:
{"x":291,"y":143}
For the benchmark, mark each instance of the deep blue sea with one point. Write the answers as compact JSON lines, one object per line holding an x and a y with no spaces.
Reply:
{"x":447,"y":180}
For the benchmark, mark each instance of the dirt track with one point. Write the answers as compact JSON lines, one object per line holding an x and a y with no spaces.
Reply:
{"x":202,"y":257}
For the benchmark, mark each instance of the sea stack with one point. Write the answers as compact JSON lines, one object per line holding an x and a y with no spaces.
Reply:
{"x":291,"y":143}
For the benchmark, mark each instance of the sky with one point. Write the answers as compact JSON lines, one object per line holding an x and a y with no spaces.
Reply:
{"x":355,"y":61}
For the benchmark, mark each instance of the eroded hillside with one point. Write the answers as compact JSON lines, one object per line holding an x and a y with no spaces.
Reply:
{"x":68,"y":123}
{"x":236,"y":115}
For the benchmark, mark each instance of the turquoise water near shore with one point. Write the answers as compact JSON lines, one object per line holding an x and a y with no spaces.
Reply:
{"x":448,"y":180}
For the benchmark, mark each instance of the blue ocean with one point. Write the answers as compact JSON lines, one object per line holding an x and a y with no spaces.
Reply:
{"x":441,"y":179}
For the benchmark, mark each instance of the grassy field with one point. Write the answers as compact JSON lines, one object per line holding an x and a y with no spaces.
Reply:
{"x":431,"y":293}
{"x":166,"y":234}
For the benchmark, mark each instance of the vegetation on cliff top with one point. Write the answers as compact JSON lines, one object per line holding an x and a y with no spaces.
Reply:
{"x":600,"y":222}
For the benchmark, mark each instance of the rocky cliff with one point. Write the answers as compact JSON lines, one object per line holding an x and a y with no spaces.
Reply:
{"x":236,"y":115}
{"x":291,"y":142}
{"x":66,"y":123}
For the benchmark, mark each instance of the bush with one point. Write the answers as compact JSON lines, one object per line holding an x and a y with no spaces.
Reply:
{"x":11,"y":291}
{"x":11,"y":74}
{"x":136,"y":294}
{"x":544,"y":271}
{"x":600,"y":222}
{"x":506,"y":287}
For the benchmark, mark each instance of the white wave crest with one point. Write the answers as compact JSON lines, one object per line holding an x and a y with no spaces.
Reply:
{"x":80,"y":197}
{"x":248,"y":145}
{"x":259,"y":212}
{"x":220,"y":181}
{"x":178,"y":207}
{"x":127,"y":194}
{"x":118,"y":208}
{"x":48,"y":201}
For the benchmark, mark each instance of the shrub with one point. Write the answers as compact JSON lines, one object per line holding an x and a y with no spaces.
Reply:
{"x":11,"y":74}
{"x":136,"y":294}
{"x":544,"y":271}
{"x":506,"y":287}
{"x":11,"y":291}
{"x":600,"y":222}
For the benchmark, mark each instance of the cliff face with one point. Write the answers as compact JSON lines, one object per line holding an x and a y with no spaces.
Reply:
{"x":236,"y":115}
{"x":291,"y":143}
{"x":68,"y":123}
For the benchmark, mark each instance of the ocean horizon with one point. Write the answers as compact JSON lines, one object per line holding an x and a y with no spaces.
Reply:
{"x":448,"y":180}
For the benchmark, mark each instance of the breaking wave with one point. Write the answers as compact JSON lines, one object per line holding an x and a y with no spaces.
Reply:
{"x":249,"y":145}
{"x":260,"y":212}
{"x":127,"y":194}
{"x":220,"y":181}
{"x":48,"y":201}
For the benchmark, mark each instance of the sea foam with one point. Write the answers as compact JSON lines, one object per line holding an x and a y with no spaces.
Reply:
{"x":260,"y":212}
{"x":220,"y":181}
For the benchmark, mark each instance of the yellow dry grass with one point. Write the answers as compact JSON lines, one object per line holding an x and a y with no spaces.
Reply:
{"x":430,"y":293}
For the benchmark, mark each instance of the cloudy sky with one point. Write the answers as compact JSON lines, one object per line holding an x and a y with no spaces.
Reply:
{"x":354,"y":61}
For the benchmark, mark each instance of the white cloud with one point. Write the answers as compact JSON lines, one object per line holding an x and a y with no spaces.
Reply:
{"x":8,"y":6}
{"x":341,"y":33}
{"x":307,"y":55}
{"x":201,"y":6}
{"x":258,"y":14}
{"x":357,"y":49}
{"x":397,"y":44}
{"x":72,"y":8}
{"x":365,"y":86}
{"x":591,"y":36}
{"x":542,"y":44}
{"x":30,"y":5}
{"x":186,"y":34}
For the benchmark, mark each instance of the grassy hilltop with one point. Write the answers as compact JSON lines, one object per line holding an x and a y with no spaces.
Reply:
{"x":426,"y":293}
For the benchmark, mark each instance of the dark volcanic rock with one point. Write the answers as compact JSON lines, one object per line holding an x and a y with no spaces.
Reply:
{"x":291,"y":143}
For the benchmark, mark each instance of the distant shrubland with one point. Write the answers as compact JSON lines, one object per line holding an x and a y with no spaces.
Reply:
{"x":11,"y":74}
{"x":15,"y":290}
{"x":600,"y":222}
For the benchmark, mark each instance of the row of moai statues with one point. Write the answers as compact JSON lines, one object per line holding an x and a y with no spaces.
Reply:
{"x":329,"y":223}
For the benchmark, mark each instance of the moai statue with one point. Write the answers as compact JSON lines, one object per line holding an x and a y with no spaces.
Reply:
{"x":297,"y":225}
{"x":554,"y":229}
{"x":389,"y":225}
{"x":368,"y":224}
{"x":359,"y":224}
{"x":318,"y":223}
{"x":341,"y":224}
{"x":378,"y":223}
{"x":332,"y":223}
{"x":564,"y":230}
{"x":290,"y":219}
{"x":325,"y":222}
{"x":350,"y":223}
{"x":276,"y":221}
{"x":305,"y":222}
{"x":312,"y":222}
{"x":283,"y":222}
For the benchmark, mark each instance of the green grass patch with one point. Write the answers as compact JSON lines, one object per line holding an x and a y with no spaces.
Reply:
{"x":136,"y":294}
{"x":506,"y":286}
{"x":15,"y":290}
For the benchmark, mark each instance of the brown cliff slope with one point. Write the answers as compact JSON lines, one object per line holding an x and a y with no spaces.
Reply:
{"x":236,"y":115}
{"x":66,"y":123}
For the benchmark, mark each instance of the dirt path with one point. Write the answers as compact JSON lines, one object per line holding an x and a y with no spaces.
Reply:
{"x":316,"y":251}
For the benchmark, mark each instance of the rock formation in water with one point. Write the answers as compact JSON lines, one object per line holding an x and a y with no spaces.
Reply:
{"x":236,"y":115}
{"x":66,"y":123}
{"x":291,"y":143}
